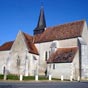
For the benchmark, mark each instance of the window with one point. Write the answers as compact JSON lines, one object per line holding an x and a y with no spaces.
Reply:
{"x":53,"y":66}
{"x":53,"y":47}
{"x":4,"y":69}
{"x":46,"y":56}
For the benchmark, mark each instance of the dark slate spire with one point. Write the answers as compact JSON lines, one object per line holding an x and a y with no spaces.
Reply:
{"x":41,"y":23}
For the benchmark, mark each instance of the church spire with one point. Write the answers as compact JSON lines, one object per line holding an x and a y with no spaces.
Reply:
{"x":41,"y":22}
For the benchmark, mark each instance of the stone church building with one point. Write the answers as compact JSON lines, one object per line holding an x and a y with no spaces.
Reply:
{"x":60,"y":50}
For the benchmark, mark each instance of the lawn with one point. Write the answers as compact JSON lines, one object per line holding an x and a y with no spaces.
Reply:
{"x":16,"y":77}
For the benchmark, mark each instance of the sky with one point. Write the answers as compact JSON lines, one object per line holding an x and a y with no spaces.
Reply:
{"x":23,"y":15}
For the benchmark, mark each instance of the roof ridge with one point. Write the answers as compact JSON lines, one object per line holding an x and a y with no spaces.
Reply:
{"x":63,"y":31}
{"x":65,"y":24}
{"x":7,"y":42}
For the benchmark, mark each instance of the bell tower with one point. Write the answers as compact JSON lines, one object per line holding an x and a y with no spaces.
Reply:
{"x":41,"y":23}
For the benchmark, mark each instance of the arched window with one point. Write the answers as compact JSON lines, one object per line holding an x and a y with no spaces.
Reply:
{"x":53,"y":46}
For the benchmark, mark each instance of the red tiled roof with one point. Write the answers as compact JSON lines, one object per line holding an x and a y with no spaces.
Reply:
{"x":6,"y":46}
{"x":36,"y":38}
{"x":28,"y":37}
{"x":60,"y":32}
{"x":30,"y":44}
{"x":28,"y":40}
{"x":63,"y":55}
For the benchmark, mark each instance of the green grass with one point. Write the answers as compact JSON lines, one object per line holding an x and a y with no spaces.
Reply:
{"x":12,"y":77}
{"x":33,"y":78}
{"x":28,"y":78}
{"x":42,"y":78}
{"x":16,"y":77}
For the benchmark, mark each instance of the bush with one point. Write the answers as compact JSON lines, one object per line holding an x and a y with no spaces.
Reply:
{"x":1,"y":76}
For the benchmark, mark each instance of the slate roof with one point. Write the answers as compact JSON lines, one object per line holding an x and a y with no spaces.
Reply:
{"x":60,"y":32}
{"x":63,"y":55}
{"x":41,"y":22}
{"x":6,"y":46}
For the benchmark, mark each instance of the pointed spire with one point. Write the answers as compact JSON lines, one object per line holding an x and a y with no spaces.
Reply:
{"x":41,"y":22}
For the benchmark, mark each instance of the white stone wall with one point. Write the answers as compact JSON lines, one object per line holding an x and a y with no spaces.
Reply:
{"x":3,"y":59}
{"x":85,"y":33}
{"x":75,"y":66}
{"x":84,"y":62}
{"x":14,"y":66}
{"x":43,"y":48}
{"x":33,"y":64}
{"x":46,"y":47}
{"x":65,"y":69}
{"x":61,"y":69}
{"x":68,"y":43}
{"x":84,"y":53}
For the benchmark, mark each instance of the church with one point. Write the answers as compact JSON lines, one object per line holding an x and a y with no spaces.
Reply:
{"x":60,"y":50}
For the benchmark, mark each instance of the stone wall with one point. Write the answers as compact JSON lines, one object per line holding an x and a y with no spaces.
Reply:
{"x":46,"y":47}
{"x":61,"y":69}
{"x":3,"y":60}
{"x":84,"y":61}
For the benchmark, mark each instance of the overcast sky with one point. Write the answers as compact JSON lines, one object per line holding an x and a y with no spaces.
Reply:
{"x":23,"y":15}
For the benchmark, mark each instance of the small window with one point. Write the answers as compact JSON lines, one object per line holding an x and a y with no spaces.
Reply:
{"x":46,"y":56}
{"x":53,"y":66}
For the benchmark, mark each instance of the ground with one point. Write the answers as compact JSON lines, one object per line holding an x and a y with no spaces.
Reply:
{"x":44,"y":84}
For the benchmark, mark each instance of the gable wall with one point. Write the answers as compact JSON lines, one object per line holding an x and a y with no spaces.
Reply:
{"x":19,"y":44}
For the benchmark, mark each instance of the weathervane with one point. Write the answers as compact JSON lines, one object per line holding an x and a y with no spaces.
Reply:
{"x":42,"y":4}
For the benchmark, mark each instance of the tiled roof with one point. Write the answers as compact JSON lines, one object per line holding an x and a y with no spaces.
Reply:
{"x":60,"y":32}
{"x":28,"y":40}
{"x":63,"y":55}
{"x":6,"y":46}
{"x":30,"y":44}
{"x":28,"y":37}
{"x":36,"y":38}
